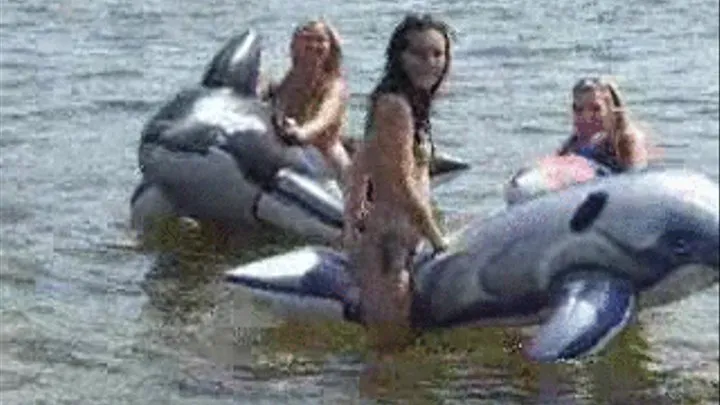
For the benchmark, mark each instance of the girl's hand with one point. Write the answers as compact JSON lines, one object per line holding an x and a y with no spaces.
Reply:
{"x":440,"y":245}
{"x":292,"y":131}
{"x":350,"y":234}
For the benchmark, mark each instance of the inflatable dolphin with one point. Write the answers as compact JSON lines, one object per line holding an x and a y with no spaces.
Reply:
{"x":580,"y":263}
{"x":212,"y":154}
{"x":552,"y":173}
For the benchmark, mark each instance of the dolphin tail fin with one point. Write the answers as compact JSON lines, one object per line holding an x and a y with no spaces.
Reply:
{"x":588,"y":313}
{"x":237,"y":64}
{"x":311,"y":280}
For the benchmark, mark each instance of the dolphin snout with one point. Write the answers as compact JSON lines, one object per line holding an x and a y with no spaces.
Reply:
{"x":712,"y":256}
{"x":708,"y":249}
{"x":693,"y":202}
{"x":714,"y":260}
{"x":709,"y":203}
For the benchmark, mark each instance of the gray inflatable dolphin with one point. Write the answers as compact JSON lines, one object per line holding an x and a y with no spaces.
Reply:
{"x":579,"y":263}
{"x":211,"y":153}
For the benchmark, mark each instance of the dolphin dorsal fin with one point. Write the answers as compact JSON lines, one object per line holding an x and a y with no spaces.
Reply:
{"x":236,"y":65}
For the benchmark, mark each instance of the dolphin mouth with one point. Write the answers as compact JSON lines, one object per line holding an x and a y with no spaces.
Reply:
{"x":714,"y":261}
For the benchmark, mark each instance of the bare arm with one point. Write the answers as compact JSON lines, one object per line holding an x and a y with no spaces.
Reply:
{"x":394,"y":137}
{"x":332,"y":106}
{"x":265,"y":87}
{"x":638,"y":148}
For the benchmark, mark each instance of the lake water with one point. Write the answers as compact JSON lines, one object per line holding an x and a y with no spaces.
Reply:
{"x":87,"y":319}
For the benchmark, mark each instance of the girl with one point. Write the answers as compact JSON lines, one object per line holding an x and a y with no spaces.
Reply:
{"x":602,"y":129}
{"x":310,"y":102}
{"x":392,"y":168}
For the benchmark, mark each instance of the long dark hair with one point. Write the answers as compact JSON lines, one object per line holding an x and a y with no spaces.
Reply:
{"x":395,"y":78}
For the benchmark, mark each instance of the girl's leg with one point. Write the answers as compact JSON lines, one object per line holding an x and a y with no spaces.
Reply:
{"x":340,"y":162}
{"x":385,"y":290}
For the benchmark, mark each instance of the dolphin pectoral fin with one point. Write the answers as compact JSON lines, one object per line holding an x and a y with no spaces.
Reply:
{"x":302,"y":204}
{"x":589,"y":311}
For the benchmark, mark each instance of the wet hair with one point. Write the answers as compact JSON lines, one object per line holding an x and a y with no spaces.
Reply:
{"x":620,"y":134}
{"x":395,"y":79}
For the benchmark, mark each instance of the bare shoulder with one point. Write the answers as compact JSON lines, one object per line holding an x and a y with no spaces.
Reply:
{"x":392,"y":105}
{"x":637,"y":134}
{"x":392,"y":114}
{"x":336,"y":90}
{"x":338,"y":86}
{"x":392,"y":119}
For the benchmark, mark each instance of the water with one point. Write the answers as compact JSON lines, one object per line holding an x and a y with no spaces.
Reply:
{"x":86,"y":321}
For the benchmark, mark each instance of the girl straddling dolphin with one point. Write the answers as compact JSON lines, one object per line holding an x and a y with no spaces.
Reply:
{"x":310,"y":102}
{"x":389,"y":189}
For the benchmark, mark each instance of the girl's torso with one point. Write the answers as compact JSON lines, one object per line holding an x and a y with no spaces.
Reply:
{"x":384,"y":195}
{"x":302,"y":102}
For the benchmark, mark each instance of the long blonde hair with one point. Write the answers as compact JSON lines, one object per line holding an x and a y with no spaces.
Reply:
{"x":332,"y":68}
{"x":620,"y":135}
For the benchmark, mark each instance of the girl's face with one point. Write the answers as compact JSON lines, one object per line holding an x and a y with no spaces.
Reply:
{"x":590,"y":113}
{"x":425,"y":58}
{"x":311,"y":45}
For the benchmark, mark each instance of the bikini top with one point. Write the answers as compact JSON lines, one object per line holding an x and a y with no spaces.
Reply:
{"x":599,"y":150}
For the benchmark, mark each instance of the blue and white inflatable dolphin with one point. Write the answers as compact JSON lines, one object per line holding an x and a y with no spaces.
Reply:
{"x":211,"y":153}
{"x":579,"y":262}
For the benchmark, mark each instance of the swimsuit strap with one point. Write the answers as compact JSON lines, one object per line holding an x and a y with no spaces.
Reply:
{"x":602,"y":151}
{"x":423,"y":131}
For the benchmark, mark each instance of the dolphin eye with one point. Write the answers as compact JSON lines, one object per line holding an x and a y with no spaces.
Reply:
{"x":681,"y":247}
{"x":589,"y":211}
{"x":219,"y":136}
